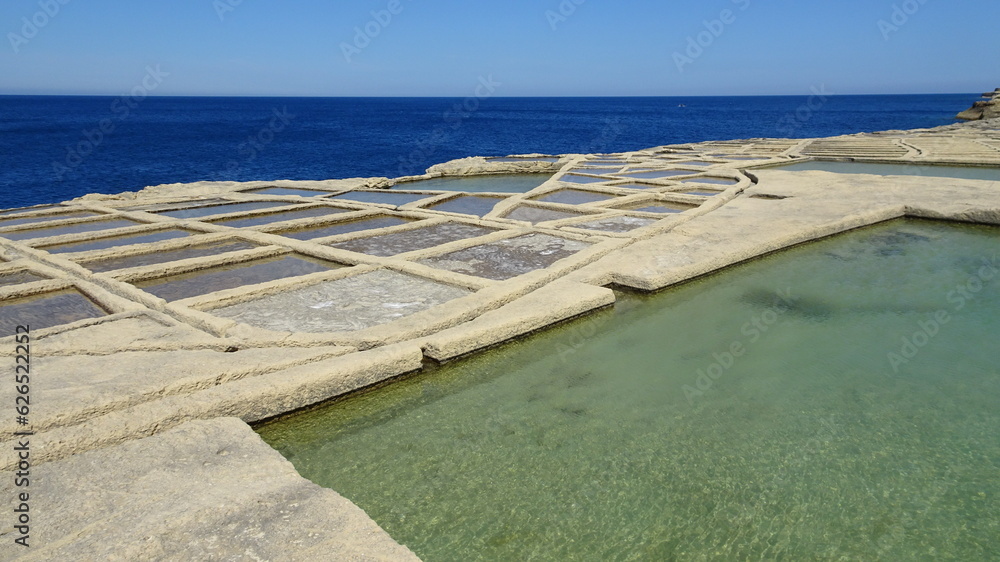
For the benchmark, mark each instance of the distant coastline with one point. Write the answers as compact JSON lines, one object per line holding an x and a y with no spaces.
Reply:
{"x":988,"y":109}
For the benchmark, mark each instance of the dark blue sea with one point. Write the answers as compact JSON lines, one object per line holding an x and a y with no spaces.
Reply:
{"x":55,"y":148}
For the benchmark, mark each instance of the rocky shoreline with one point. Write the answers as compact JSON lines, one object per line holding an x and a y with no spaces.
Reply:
{"x":989,"y":109}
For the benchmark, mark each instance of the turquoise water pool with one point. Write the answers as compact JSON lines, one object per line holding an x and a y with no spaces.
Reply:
{"x":837,"y":401}
{"x":958,"y":172}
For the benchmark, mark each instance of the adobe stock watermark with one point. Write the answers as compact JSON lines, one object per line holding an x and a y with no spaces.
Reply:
{"x":255,"y":144}
{"x":223,"y":7}
{"x":924,"y":502}
{"x":453,"y":119}
{"x":714,"y":29}
{"x":121,"y":108}
{"x":828,"y":431}
{"x":31,"y":26}
{"x":778,"y":485}
{"x":612,"y":131}
{"x":960,"y":297}
{"x":563,"y":12}
{"x":364,"y":35}
{"x":580,"y":333}
{"x":901,"y":14}
{"x":792,"y":122}
{"x":753,"y":331}
{"x":582,"y":330}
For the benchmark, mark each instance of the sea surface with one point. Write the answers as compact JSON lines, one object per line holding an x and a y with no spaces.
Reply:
{"x":55,"y":148}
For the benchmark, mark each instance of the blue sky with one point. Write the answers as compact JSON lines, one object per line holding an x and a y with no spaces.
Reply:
{"x":529,"y":48}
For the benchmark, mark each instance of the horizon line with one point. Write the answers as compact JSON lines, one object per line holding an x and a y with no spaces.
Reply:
{"x":290,"y":96}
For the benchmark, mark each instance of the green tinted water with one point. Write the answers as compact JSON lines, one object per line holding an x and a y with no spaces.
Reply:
{"x":837,"y":401}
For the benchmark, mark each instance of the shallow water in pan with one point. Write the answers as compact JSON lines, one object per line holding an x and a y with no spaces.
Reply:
{"x":385,"y":197}
{"x":288,"y":191}
{"x":477,"y":205}
{"x":958,"y":172}
{"x":259,"y":220}
{"x":491,"y":183}
{"x":205,"y":281}
{"x":657,"y":174}
{"x":166,"y":256}
{"x":46,"y":310}
{"x":666,"y":208}
{"x":342,"y":227}
{"x":116,"y":241}
{"x":17,"y":221}
{"x":76,"y":228}
{"x":836,"y":401}
{"x":18,"y":278}
{"x":423,"y":238}
{"x":575,"y":197}
{"x":188,"y":212}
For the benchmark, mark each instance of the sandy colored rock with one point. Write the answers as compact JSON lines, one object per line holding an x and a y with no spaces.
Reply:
{"x":208,"y":490}
{"x":983,"y":109}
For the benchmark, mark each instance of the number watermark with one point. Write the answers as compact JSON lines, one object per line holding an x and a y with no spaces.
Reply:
{"x":22,"y":437}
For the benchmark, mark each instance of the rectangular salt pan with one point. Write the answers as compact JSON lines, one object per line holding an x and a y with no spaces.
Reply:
{"x":658,"y":174}
{"x":342,"y":305}
{"x":205,"y":281}
{"x":78,"y":228}
{"x":573,"y":178}
{"x":535,"y":215}
{"x":665,"y":208}
{"x":383,"y":197}
{"x":46,"y":310}
{"x":259,"y":220}
{"x":116,"y":241}
{"x":18,"y":278}
{"x":411,"y":240}
{"x":153,"y":207}
{"x":575,"y":197}
{"x":493,"y":183}
{"x":288,"y":191}
{"x":476,"y":205}
{"x":19,"y":210}
{"x":958,"y":172}
{"x":697,"y":163}
{"x":615,"y":224}
{"x":45,"y":218}
{"x":634,"y":185}
{"x":154,"y":258}
{"x":508,"y":258}
{"x":338,"y":228}
{"x":207,"y":211}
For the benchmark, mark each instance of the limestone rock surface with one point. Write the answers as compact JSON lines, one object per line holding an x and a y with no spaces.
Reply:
{"x":983,"y":109}
{"x":208,"y":490}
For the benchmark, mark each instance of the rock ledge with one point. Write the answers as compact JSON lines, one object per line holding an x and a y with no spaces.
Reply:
{"x":983,"y":109}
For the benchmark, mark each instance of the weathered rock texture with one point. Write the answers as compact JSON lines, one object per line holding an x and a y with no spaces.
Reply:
{"x":983,"y":109}
{"x":208,"y":490}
